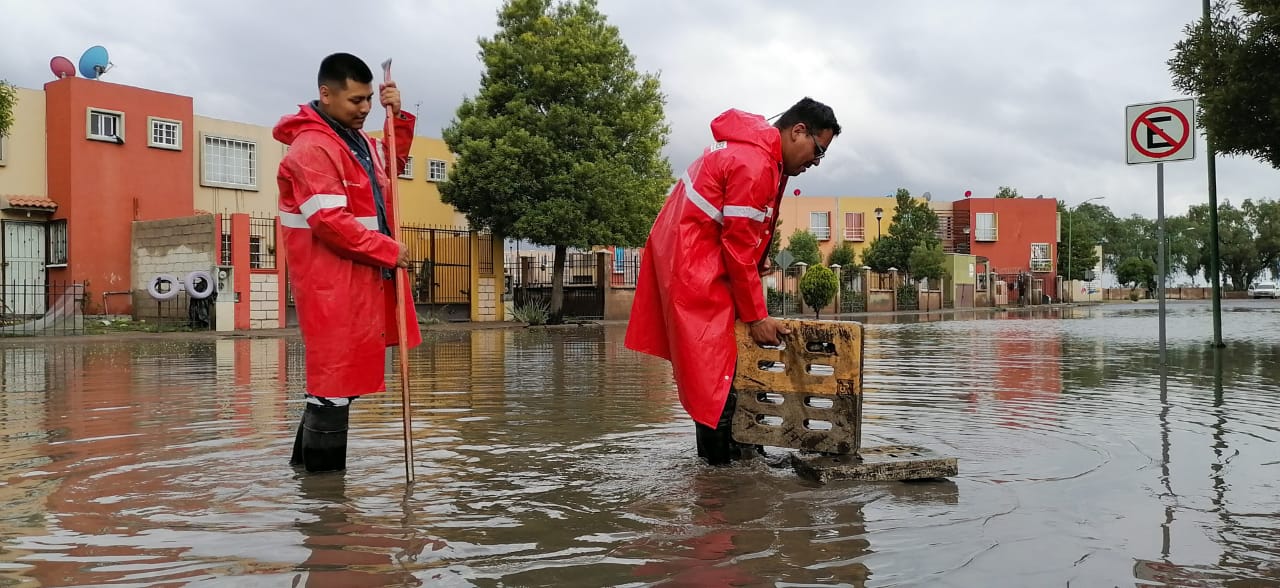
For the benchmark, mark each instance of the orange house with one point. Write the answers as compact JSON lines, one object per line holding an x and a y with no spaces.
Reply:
{"x":1015,"y":235}
{"x":114,"y":154}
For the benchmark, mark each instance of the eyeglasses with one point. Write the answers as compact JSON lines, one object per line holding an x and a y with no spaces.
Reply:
{"x":818,"y":150}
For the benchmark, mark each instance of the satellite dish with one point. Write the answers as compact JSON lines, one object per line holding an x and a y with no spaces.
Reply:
{"x":94,"y":62}
{"x":928,"y":197}
{"x":62,"y":67}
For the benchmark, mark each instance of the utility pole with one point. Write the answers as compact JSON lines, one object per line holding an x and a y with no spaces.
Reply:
{"x":1215,"y":275}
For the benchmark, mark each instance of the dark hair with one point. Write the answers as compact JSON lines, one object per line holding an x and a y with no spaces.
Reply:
{"x":815,"y":115}
{"x":336,"y":69}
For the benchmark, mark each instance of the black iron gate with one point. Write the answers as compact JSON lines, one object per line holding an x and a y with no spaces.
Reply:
{"x":530,"y":283}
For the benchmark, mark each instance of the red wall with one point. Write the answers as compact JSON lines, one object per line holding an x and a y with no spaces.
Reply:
{"x":101,"y":187}
{"x":1019,"y":223}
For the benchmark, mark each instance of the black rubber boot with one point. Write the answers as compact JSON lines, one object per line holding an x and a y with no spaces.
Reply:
{"x":324,"y":437}
{"x":717,"y":445}
{"x":295,"y":460}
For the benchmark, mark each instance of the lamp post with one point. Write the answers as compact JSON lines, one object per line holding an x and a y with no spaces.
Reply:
{"x":1071,"y":215}
{"x":879,"y":215}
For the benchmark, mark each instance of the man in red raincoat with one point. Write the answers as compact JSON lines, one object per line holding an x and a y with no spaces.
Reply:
{"x":704,"y":257}
{"x":339,"y":250}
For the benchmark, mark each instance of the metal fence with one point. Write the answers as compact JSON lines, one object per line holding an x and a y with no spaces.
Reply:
{"x":181,"y":312}
{"x":440,"y":264}
{"x":262,"y":242}
{"x":625,"y":272}
{"x":531,"y":281}
{"x":485,"y":263}
{"x":42,"y":308}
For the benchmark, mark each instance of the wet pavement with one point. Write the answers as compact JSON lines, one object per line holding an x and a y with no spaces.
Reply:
{"x":559,"y":458}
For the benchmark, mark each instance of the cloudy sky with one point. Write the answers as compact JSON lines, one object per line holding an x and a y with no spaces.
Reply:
{"x":934,"y":95}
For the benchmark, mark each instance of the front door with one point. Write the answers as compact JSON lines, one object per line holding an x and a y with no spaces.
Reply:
{"x":24,"y":285}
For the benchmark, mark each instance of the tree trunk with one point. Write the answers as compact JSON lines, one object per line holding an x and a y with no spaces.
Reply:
{"x":557,"y":286}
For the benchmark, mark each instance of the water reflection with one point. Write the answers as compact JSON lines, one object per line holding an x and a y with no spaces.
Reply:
{"x":558,"y":458}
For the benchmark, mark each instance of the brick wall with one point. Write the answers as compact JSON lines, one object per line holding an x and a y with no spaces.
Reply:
{"x":264,"y":300}
{"x":487,"y":304}
{"x":175,"y":247}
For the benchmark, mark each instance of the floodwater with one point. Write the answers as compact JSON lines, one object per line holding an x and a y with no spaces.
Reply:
{"x":559,"y":458}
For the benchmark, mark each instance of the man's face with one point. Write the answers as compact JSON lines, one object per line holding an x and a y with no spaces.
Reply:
{"x":803,"y":148}
{"x":348,"y":105}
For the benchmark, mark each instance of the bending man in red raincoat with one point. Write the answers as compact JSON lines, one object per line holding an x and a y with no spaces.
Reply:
{"x":339,"y":250}
{"x":705,"y":255}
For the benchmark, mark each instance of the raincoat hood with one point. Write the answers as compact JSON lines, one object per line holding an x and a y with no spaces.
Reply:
{"x":306,"y":119}
{"x":745,"y":127}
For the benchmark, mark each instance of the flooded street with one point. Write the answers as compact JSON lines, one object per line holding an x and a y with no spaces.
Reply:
{"x":559,"y":458}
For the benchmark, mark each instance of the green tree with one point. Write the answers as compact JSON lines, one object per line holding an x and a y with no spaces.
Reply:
{"x":562,"y":145}
{"x":1240,"y":259}
{"x":1007,"y":192}
{"x":1227,"y":61}
{"x":1081,"y":234}
{"x":8,"y":99}
{"x":1136,"y":271}
{"x":879,"y":255}
{"x":929,"y":262}
{"x":803,"y":246}
{"x":818,"y":287}
{"x":914,"y":223}
{"x":843,"y":256}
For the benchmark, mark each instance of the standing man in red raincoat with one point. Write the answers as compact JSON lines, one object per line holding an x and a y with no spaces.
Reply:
{"x":705,"y":255}
{"x":339,"y":250}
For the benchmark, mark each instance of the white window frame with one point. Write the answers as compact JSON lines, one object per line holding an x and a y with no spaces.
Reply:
{"x":88,"y":124}
{"x":205,"y":138}
{"x":57,"y":253}
{"x":408,"y":169}
{"x":442,"y":176}
{"x":4,"y":150}
{"x":820,"y":232}
{"x":1041,"y":264}
{"x":152,"y":122}
{"x":986,"y":233}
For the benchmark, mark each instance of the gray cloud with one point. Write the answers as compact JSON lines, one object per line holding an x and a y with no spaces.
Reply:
{"x":934,"y":96}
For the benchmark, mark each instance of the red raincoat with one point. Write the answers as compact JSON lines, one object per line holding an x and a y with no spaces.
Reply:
{"x":346,"y":310}
{"x":700,"y":270}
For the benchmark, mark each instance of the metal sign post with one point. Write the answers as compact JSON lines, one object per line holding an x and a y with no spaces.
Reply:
{"x":1157,"y":133}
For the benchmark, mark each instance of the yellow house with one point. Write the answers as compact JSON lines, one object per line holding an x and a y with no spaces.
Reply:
{"x":218,"y":140}
{"x":836,"y":220}
{"x":23,"y":172}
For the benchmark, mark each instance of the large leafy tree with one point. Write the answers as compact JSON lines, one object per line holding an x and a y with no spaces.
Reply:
{"x":1082,"y":231}
{"x":562,"y":145}
{"x":1230,"y":63}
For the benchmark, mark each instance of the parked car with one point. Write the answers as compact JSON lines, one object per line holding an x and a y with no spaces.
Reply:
{"x":1264,"y":290}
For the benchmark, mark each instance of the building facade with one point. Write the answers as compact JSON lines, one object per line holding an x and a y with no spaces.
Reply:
{"x":89,"y":163}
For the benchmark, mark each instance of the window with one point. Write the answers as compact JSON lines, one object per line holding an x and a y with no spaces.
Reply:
{"x":986,"y":229}
{"x":1040,"y":261}
{"x":4,"y":149}
{"x":105,"y":125}
{"x":56,"y":252}
{"x":436,"y":172}
{"x":820,"y":225}
{"x":165,"y":133}
{"x":408,"y":169}
{"x":229,"y":163}
{"x":853,"y":227}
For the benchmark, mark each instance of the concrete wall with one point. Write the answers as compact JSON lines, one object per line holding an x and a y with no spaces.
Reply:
{"x":487,"y":298}
{"x":174,"y":247}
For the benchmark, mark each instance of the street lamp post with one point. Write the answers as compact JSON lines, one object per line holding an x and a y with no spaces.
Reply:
{"x":879,"y":215}
{"x":1071,"y":215}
